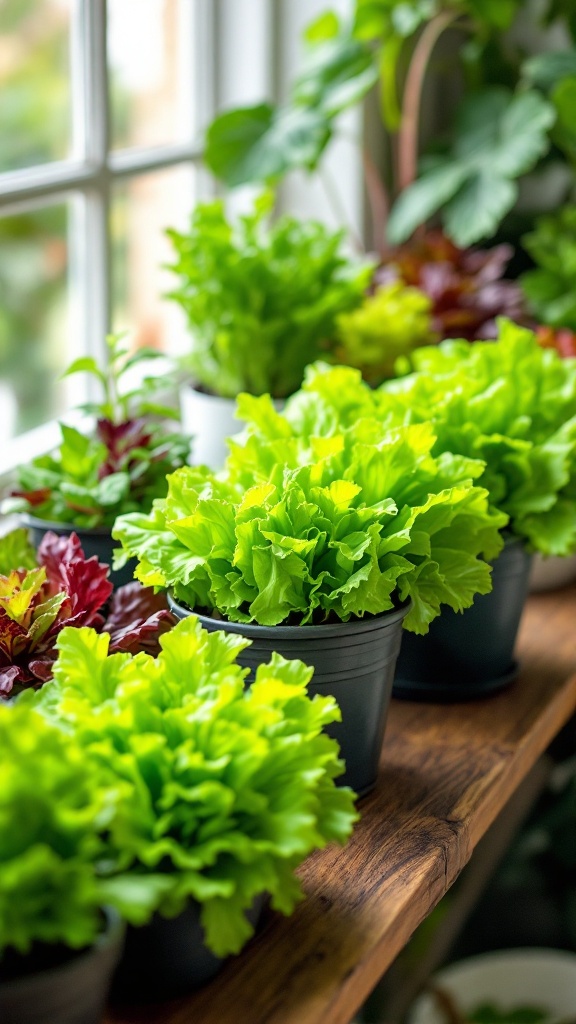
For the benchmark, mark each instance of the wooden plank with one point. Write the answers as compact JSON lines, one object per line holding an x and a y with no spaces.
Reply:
{"x":446,"y":772}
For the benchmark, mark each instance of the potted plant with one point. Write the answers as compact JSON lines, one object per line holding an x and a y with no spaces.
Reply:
{"x":223,"y":791}
{"x":508,"y":403}
{"x":379,"y":335}
{"x":549,"y":295}
{"x":509,"y":986}
{"x":513,"y":108}
{"x":260,"y":302}
{"x":320,"y":548}
{"x":59,"y":940}
{"x":513,"y":405}
{"x":119,"y":466}
{"x":57,"y":586}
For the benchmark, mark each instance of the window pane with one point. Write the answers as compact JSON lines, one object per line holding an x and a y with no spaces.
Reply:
{"x":34,"y":347}
{"x":35,"y":106}
{"x":142,"y":209}
{"x":150,"y":56}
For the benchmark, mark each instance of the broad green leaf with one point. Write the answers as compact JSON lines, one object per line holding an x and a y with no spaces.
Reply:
{"x":326,"y":26}
{"x":547,"y":69}
{"x":85,"y":364}
{"x":499,"y":136}
{"x":259,"y":144}
{"x":337,"y":75}
{"x":564,"y":98}
{"x":422,"y":199}
{"x":478,"y":207}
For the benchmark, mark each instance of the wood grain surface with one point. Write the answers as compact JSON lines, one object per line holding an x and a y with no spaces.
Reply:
{"x":446,"y":772}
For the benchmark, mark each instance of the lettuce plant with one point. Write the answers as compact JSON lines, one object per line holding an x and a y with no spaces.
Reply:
{"x":313,"y":527}
{"x":120,"y":466}
{"x":549,"y":288}
{"x":224,"y":789}
{"x":512,"y":404}
{"x":40,"y":594}
{"x":260,"y":301}
{"x":53,"y":812}
{"x":383,"y":331}
{"x":466,"y":287}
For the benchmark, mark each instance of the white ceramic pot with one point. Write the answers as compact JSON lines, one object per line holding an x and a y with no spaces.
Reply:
{"x":209,"y":420}
{"x":510,"y":978}
{"x":551,"y":573}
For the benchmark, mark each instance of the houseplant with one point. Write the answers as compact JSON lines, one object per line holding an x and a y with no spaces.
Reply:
{"x":120,"y":466}
{"x":512,"y":404}
{"x":512,"y":110}
{"x":388,"y":325}
{"x":58,"y":945}
{"x":549,"y":296}
{"x":320,"y":547}
{"x":515,"y":986}
{"x":260,"y":301}
{"x":57,"y":586}
{"x":508,"y":403}
{"x":223,"y":790}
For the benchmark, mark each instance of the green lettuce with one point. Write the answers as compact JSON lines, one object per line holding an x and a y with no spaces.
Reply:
{"x":513,"y":405}
{"x":223,"y":789}
{"x":260,"y":301}
{"x":54,"y":810}
{"x":310,"y":523}
{"x":380,"y":335}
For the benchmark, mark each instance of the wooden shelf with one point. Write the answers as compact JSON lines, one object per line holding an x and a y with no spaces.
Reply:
{"x":446,"y":772}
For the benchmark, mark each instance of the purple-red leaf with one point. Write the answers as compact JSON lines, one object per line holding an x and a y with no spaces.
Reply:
{"x":138,"y":617}
{"x":84,"y":580}
{"x":466,"y":286}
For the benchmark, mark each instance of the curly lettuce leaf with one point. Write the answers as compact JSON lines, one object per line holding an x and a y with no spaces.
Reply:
{"x":311,"y":522}
{"x":222,"y":790}
{"x":54,"y":811}
{"x":511,"y":404}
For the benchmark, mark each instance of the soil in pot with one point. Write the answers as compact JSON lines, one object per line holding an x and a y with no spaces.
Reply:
{"x":168,"y":957}
{"x":469,"y":654}
{"x":353,"y":661}
{"x":54,"y":985}
{"x":97,"y":542}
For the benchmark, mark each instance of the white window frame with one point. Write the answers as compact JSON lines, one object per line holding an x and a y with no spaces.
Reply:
{"x":236,"y":72}
{"x":89,"y":178}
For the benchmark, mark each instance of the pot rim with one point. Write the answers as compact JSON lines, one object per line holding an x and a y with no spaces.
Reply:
{"x":31,"y":521}
{"x":109,"y":936}
{"x":280,"y":632}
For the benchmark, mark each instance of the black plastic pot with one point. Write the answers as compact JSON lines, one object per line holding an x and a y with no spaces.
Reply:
{"x":352,"y":661}
{"x":168,"y":957}
{"x":97,"y":542}
{"x":74,"y":992}
{"x":469,"y":654}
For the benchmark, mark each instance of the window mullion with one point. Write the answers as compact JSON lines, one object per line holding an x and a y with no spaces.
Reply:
{"x":92,"y":255}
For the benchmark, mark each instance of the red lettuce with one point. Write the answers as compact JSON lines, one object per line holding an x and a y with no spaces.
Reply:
{"x":137,"y":618}
{"x":466,"y":286}
{"x":64,"y":588}
{"x":562,"y":339}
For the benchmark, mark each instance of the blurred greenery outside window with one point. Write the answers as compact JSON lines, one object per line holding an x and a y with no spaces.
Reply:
{"x":81,"y":221}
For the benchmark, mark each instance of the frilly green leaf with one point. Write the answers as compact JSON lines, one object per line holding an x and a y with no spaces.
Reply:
{"x":221,"y":790}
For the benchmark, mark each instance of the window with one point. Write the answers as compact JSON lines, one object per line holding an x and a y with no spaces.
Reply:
{"x":101,"y":107}
{"x":102,"y":104}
